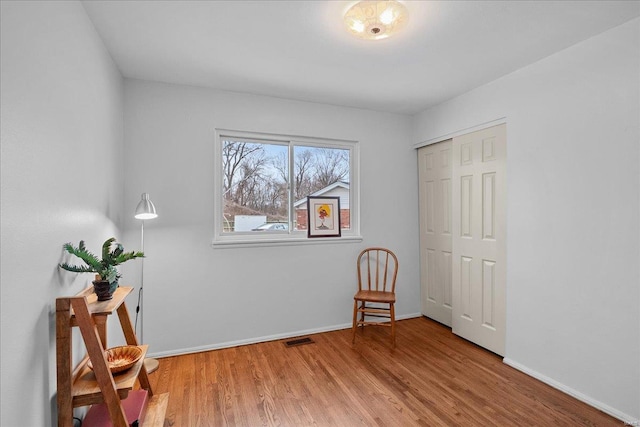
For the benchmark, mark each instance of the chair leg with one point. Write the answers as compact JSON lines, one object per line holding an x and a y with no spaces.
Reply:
{"x":392,"y":312}
{"x":355,"y":321}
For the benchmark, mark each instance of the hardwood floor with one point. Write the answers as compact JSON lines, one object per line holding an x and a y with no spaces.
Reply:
{"x":432,"y":378}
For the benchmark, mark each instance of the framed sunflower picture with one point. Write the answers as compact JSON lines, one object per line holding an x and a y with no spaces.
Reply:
{"x":323,"y":216}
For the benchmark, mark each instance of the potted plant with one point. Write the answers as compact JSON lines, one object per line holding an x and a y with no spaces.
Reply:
{"x":107,"y":274}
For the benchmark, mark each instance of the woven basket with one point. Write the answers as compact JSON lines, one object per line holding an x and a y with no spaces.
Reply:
{"x":121,"y":358}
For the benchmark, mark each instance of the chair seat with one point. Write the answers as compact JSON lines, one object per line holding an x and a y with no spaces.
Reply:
{"x":375,"y":296}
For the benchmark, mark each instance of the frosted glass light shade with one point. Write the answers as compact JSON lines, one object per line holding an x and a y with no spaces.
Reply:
{"x":375,"y":20}
{"x":146,"y":209}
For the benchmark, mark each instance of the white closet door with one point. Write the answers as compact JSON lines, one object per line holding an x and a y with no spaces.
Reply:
{"x":434,"y":170}
{"x":479,"y":231}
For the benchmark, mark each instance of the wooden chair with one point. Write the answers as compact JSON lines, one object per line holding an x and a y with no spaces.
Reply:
{"x":377,"y":271}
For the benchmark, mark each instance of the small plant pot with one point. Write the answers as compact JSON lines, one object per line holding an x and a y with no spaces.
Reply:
{"x":102,"y":288}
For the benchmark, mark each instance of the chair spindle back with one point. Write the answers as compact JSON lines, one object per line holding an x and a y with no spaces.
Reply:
{"x":380,"y":267}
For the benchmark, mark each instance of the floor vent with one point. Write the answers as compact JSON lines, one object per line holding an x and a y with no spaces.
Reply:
{"x":299,"y":341}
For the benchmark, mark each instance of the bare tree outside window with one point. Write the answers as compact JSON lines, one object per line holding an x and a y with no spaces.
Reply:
{"x":251,"y":185}
{"x":317,"y":168}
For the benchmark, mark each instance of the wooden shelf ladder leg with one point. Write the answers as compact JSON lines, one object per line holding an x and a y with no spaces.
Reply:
{"x":100,"y":368}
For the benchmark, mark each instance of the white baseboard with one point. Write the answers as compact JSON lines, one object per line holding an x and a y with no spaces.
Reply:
{"x":628,"y":419}
{"x":255,"y":340}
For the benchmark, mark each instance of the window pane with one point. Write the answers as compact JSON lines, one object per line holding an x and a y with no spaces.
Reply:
{"x":255,"y":191}
{"x":320,"y":171}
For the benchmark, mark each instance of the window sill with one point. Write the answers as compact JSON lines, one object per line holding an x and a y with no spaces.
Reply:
{"x":294,"y":241}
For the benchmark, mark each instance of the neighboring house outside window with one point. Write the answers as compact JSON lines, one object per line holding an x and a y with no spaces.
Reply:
{"x":337,"y":189}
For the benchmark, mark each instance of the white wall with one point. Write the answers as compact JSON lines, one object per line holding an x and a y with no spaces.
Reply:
{"x":573,"y":278}
{"x":199,"y":297}
{"x":61,"y":133}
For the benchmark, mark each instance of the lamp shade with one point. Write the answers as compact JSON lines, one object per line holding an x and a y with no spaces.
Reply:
{"x":146,"y":209}
{"x":376,"y":19}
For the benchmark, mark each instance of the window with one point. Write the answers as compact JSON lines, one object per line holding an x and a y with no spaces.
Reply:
{"x":264,"y":180}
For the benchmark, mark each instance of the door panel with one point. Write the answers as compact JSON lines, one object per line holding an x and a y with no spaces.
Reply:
{"x":479,"y":237}
{"x":434,"y":166}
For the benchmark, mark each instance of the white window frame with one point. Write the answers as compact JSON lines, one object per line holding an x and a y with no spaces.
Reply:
{"x":223,"y":239}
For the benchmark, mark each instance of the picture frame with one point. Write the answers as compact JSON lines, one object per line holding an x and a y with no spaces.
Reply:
{"x":323,"y":216}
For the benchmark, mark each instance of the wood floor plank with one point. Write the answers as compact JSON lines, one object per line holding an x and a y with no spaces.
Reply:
{"x":432,"y":378}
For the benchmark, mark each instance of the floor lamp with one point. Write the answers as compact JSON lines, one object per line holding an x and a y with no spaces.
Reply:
{"x":144,"y":210}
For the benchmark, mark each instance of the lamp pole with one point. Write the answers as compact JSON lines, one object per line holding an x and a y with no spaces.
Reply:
{"x":141,"y":303}
{"x":144,"y":210}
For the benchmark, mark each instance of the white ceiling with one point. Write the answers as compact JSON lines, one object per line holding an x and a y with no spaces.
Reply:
{"x":300,"y":50}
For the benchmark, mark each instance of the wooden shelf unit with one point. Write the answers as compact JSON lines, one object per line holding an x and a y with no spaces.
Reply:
{"x":82,"y":386}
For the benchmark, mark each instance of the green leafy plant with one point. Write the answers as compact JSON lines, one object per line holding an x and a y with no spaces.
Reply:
{"x":105,"y":267}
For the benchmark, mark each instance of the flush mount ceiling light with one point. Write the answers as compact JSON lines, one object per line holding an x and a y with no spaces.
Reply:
{"x":375,"y":20}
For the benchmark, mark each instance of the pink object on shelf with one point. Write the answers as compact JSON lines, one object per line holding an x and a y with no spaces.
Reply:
{"x":135,"y":407}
